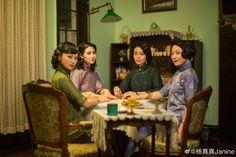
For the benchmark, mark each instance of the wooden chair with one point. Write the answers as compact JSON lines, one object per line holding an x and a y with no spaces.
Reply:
{"x":46,"y":110}
{"x":192,"y":126}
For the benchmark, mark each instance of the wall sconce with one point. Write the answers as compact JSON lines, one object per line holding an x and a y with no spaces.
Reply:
{"x":110,"y":16}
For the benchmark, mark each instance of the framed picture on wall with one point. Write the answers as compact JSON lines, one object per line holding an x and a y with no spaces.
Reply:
{"x":149,"y":6}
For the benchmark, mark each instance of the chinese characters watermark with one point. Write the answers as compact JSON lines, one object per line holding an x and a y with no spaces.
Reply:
{"x":209,"y":151}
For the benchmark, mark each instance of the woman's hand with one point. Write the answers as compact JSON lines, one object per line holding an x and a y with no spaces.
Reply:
{"x":106,"y":92}
{"x":117,"y":92}
{"x":137,"y":95}
{"x":103,"y":98}
{"x":86,"y":94}
{"x":93,"y":100}
{"x":130,"y":95}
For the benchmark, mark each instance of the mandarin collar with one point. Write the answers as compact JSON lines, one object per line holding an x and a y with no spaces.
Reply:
{"x":186,"y":65}
{"x":142,"y":68}
{"x":63,"y":70}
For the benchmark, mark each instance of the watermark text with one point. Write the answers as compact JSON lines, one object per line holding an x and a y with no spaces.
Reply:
{"x":210,"y":151}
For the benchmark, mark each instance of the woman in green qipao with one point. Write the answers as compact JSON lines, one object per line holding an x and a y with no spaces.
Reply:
{"x":64,"y":60}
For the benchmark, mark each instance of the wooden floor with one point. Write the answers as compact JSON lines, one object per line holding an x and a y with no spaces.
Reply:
{"x":23,"y":152}
{"x":28,"y":152}
{"x":211,"y":142}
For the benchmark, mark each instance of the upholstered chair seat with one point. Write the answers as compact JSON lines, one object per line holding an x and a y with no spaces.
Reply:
{"x":74,"y":150}
{"x":160,"y":146}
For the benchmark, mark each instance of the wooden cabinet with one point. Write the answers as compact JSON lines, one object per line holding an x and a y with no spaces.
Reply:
{"x":227,"y":68}
{"x":197,"y":62}
{"x":119,"y":63}
{"x":227,"y":84}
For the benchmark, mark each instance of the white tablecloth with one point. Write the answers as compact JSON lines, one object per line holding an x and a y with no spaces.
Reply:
{"x":100,"y":118}
{"x":146,"y":104}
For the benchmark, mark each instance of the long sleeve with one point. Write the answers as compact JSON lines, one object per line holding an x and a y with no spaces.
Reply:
{"x":125,"y":85}
{"x":73,"y":95}
{"x":62,"y":82}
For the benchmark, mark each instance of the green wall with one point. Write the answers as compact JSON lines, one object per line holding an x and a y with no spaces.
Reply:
{"x":51,"y":34}
{"x":201,"y":14}
{"x":102,"y":34}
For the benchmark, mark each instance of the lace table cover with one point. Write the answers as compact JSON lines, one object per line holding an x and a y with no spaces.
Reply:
{"x":101,"y":118}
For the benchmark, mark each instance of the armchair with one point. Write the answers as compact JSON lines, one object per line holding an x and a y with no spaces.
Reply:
{"x":46,"y":110}
{"x":190,"y":129}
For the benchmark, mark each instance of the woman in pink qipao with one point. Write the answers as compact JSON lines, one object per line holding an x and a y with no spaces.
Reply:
{"x":85,"y":78}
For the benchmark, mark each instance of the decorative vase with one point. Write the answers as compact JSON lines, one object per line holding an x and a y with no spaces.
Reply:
{"x":189,"y":33}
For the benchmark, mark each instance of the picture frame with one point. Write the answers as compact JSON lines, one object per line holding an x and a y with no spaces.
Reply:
{"x":149,"y":6}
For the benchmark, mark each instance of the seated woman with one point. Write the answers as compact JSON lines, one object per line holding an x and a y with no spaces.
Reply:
{"x":64,"y":60}
{"x":144,"y":78}
{"x":181,"y":86}
{"x":85,"y":78}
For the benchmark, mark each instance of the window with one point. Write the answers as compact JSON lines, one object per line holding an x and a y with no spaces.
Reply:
{"x":72,"y":21}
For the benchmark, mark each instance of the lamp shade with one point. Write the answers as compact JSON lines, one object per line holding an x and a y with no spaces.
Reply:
{"x":110,"y":17}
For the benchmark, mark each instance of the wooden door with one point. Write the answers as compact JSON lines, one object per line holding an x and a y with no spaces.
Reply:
{"x":227,"y":86}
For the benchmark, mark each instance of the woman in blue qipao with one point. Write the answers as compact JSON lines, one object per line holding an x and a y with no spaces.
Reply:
{"x":182,"y":85}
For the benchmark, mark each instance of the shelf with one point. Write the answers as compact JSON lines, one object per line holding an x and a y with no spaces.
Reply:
{"x":172,"y":34}
{"x":118,"y":49}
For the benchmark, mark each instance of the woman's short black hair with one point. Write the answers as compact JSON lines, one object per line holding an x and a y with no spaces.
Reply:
{"x":187,"y":46}
{"x":82,"y":46}
{"x":63,"y":47}
{"x":146,"y":50}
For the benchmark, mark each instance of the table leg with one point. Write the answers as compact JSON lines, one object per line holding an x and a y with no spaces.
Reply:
{"x":108,"y":141}
{"x":153,"y":139}
{"x":168,"y":127}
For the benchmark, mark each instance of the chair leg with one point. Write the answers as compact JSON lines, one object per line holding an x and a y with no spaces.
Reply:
{"x":144,"y":152}
{"x":100,"y":153}
{"x":119,"y":142}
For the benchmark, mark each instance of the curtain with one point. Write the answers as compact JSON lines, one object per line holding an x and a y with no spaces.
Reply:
{"x":22,"y":57}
